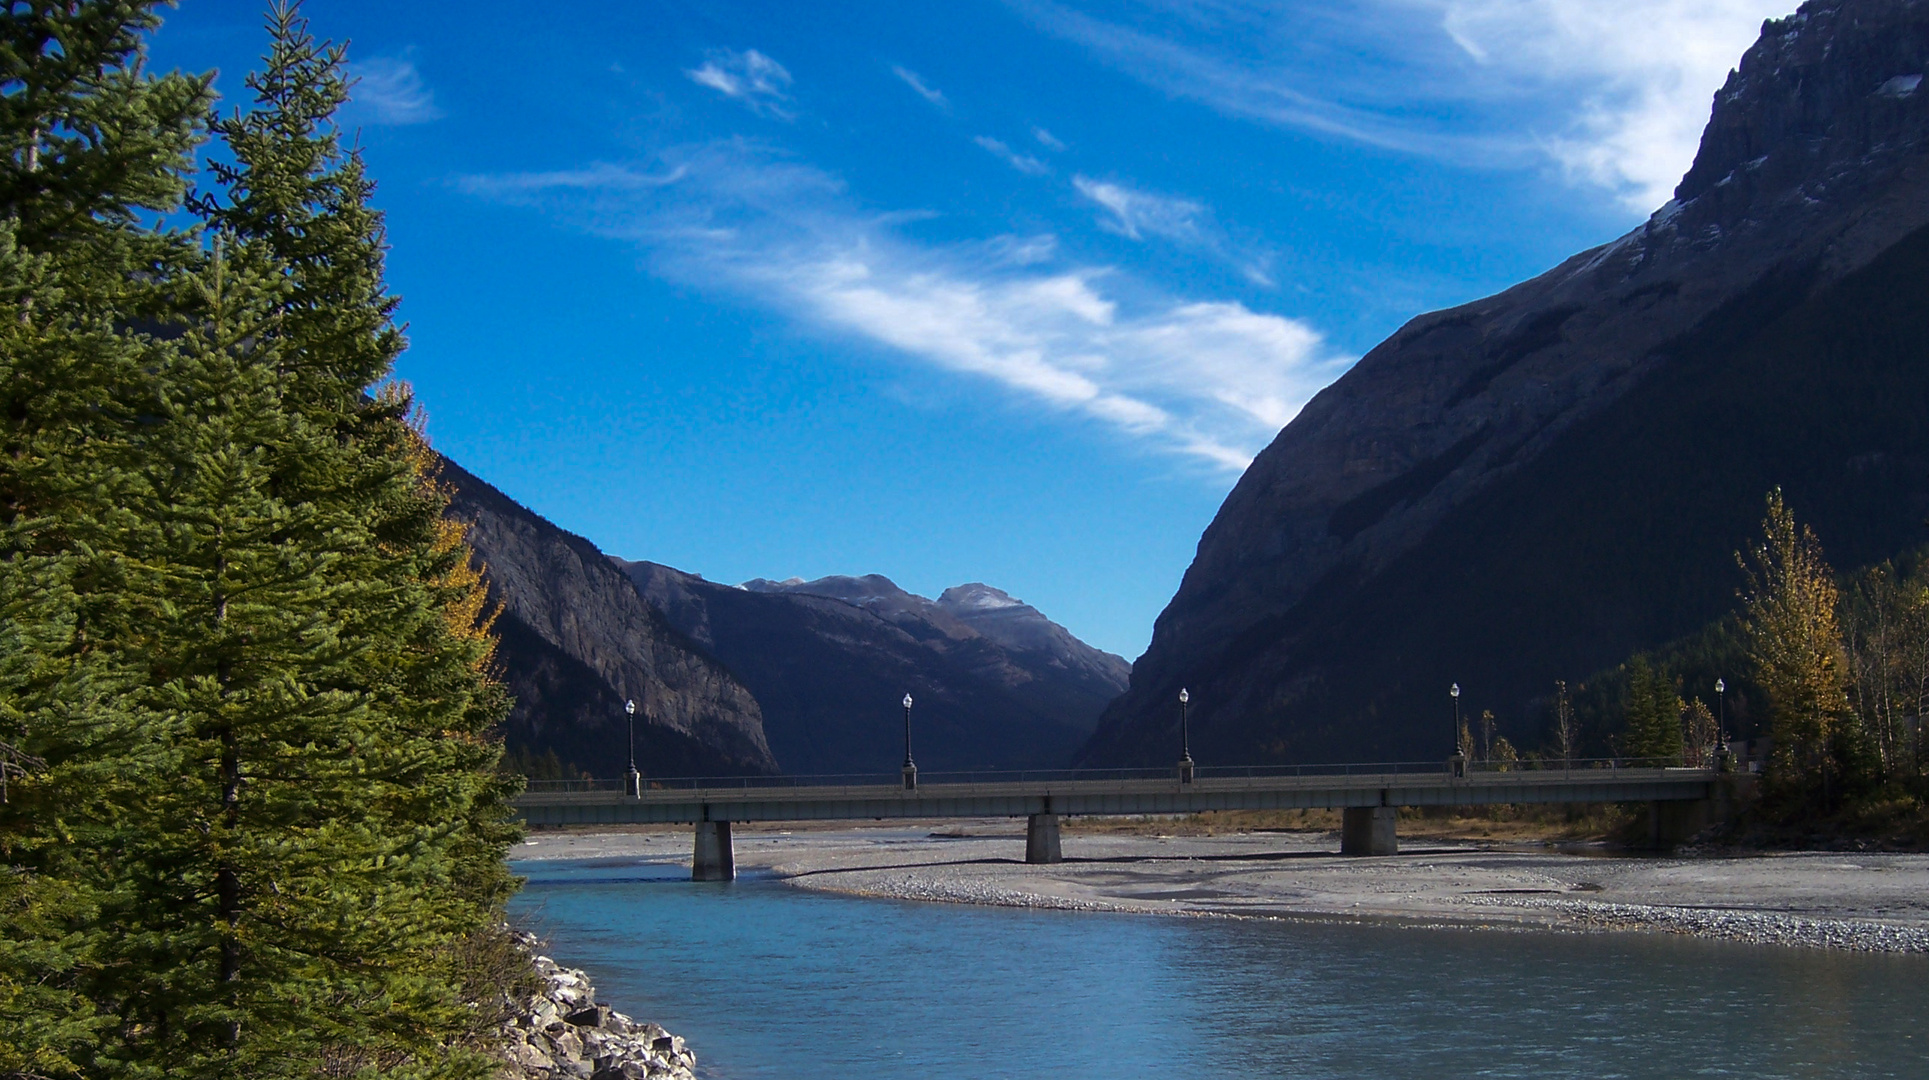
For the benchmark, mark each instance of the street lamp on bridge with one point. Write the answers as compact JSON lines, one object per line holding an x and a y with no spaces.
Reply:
{"x":910,"y":768}
{"x":635,"y":780}
{"x":1721,"y":723}
{"x":1457,"y":764}
{"x":1185,"y":740}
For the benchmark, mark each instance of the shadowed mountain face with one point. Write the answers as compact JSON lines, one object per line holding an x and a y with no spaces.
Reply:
{"x":576,"y":641}
{"x":996,"y":684}
{"x":1537,"y":484}
{"x":1038,"y":651}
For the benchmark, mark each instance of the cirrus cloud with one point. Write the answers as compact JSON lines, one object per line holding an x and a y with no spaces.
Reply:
{"x":1614,"y":95}
{"x":1209,"y":379}
{"x":750,"y":77}
{"x":919,"y":86}
{"x":389,"y":90}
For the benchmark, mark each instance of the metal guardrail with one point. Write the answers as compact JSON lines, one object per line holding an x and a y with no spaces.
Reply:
{"x":986,"y":777}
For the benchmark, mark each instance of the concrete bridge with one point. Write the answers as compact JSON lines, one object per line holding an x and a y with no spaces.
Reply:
{"x":1367,"y":795}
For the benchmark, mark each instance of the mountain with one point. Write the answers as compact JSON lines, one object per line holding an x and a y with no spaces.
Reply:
{"x":1534,"y":485}
{"x":996,"y":685}
{"x":1035,"y":648}
{"x":576,"y":641}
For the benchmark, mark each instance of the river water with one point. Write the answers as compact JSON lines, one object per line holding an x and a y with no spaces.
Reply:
{"x":768,"y":981}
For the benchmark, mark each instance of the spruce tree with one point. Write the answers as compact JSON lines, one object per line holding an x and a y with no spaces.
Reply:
{"x":238,"y":628}
{"x":295,"y":901}
{"x":1652,"y":727}
{"x":91,"y":146}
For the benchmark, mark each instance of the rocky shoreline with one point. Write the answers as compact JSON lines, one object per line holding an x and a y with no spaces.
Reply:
{"x":561,"y":1031}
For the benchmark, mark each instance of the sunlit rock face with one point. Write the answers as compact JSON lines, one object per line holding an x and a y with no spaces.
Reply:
{"x":1536,"y":484}
{"x":576,"y":642}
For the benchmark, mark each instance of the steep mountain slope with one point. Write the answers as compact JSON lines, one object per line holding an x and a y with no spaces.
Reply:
{"x":996,"y":684}
{"x":577,"y":641}
{"x":1533,"y":485}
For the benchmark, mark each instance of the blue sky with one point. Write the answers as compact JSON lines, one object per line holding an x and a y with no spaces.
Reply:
{"x":992,"y":290}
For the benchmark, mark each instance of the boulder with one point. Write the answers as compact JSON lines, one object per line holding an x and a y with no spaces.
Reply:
{"x":595,"y":1016}
{"x":562,"y":1032}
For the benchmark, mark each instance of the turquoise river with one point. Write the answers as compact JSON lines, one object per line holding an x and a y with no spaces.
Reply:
{"x":770,"y":982}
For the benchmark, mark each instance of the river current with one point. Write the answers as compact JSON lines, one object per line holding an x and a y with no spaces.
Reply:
{"x":769,"y":982}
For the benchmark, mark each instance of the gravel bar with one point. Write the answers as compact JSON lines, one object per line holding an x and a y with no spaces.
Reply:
{"x":1859,"y":902}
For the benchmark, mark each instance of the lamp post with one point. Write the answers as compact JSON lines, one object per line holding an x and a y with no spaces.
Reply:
{"x":1185,"y":740}
{"x":1721,"y":723}
{"x":635,"y":787}
{"x":910,"y":768}
{"x":1457,"y":764}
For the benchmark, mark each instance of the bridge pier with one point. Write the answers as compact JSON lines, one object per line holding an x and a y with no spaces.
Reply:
{"x":1673,"y":821}
{"x":715,"y":858}
{"x":1368,"y":830}
{"x":1041,"y":839}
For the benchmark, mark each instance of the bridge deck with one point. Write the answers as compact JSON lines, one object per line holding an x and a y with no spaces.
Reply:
{"x":747,"y":801}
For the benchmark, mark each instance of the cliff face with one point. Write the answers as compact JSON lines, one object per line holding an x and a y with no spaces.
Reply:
{"x":996,"y":684}
{"x":1533,"y":485}
{"x":576,"y":641}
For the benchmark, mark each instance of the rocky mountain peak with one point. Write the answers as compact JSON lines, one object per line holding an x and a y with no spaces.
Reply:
{"x":962,"y":612}
{"x":870,"y":590}
{"x":1534,"y":484}
{"x":1817,"y":106}
{"x":998,"y":685}
{"x":976,"y":595}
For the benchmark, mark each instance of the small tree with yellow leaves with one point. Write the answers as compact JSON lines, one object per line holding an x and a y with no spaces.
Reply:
{"x":1795,"y":641}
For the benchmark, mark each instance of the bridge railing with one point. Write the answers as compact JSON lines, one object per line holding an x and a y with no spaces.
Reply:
{"x":1046,"y":776}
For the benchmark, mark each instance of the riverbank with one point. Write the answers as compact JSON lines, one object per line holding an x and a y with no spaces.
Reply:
{"x":561,"y":1032}
{"x":1863,"y":901}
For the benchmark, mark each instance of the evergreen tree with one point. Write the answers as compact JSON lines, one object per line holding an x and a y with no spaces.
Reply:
{"x":1651,"y":733}
{"x":90,"y":145}
{"x":238,"y":628}
{"x":295,"y":901}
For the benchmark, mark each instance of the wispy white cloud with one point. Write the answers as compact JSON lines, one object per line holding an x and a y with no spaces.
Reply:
{"x":1136,"y":213}
{"x":923,"y":89}
{"x":1046,"y":139}
{"x":389,"y":90}
{"x":750,"y":77}
{"x":597,"y":177}
{"x":1240,"y":59}
{"x":1613,"y":94}
{"x":1024,"y":163}
{"x":1209,"y":379}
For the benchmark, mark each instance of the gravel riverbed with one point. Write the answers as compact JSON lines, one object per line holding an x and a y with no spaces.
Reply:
{"x":1865,"y":901}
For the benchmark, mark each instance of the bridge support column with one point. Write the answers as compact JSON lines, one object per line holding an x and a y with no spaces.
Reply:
{"x":1368,"y":830}
{"x":1041,"y":839}
{"x":716,"y":859}
{"x":1673,"y":821}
